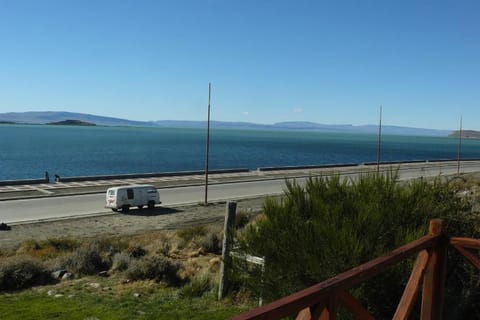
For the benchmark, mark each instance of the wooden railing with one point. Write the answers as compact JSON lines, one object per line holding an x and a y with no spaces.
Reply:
{"x":322,"y":300}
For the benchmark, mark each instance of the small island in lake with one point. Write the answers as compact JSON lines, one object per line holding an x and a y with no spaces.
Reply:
{"x":469,"y":134}
{"x":72,"y":123}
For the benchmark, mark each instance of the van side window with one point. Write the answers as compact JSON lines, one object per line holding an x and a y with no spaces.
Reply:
{"x":130,"y":193}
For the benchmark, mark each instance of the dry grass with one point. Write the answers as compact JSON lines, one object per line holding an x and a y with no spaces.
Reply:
{"x":179,"y":256}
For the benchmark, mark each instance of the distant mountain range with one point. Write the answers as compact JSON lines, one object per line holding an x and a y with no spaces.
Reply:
{"x":44,"y":117}
{"x":52,"y":116}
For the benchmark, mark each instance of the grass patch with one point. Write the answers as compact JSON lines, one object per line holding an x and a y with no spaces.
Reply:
{"x":49,"y":248}
{"x":162,"y":303}
{"x":197,"y":287}
{"x":188,"y":234}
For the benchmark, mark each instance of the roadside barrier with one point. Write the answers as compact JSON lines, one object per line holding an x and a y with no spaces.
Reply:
{"x":337,"y":165}
{"x":147,"y":175}
{"x":22,"y":182}
{"x":201,"y":172}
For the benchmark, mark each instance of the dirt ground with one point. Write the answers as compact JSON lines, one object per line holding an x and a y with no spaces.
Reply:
{"x":117,"y":224}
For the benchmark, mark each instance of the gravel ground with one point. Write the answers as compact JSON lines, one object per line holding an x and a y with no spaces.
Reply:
{"x":115,"y":224}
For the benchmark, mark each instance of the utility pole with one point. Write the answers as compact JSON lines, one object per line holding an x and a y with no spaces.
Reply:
{"x":379,"y":147}
{"x":208,"y":145}
{"x":459,"y":147}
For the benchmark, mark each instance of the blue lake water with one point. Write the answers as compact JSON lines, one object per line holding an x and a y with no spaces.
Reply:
{"x":27,"y":151}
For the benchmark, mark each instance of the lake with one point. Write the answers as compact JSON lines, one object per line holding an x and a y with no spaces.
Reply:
{"x":27,"y":151}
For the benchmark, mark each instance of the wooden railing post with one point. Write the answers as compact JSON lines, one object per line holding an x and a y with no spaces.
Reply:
{"x":330,"y":310}
{"x":434,"y":279}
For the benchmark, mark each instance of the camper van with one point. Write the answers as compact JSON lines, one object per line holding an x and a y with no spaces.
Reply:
{"x":125,"y":197}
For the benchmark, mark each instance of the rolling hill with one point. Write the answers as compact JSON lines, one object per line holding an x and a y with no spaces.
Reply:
{"x":39,"y":117}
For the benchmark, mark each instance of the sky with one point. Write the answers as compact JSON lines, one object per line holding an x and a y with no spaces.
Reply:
{"x":331,"y":62}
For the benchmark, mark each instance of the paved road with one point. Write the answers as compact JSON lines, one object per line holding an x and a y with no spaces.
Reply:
{"x":60,"y":207}
{"x":12,"y":211}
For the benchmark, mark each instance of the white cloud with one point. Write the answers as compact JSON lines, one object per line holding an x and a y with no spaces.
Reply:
{"x":297,"y":110}
{"x":245,"y":113}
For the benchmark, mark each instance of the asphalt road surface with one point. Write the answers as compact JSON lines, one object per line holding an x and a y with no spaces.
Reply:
{"x":13,"y":211}
{"x":70,"y":206}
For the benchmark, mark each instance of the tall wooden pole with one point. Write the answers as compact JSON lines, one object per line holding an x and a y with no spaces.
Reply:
{"x":459,"y":148}
{"x":379,"y":147}
{"x":208,"y":145}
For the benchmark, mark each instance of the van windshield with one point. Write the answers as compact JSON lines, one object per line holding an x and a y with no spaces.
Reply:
{"x":111,"y":193}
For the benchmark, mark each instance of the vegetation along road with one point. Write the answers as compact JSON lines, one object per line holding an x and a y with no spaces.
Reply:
{"x":23,"y":210}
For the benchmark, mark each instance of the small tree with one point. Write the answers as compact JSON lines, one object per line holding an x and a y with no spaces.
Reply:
{"x":331,"y":225}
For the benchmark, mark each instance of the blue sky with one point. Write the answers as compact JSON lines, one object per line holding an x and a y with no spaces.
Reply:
{"x":332,"y":62}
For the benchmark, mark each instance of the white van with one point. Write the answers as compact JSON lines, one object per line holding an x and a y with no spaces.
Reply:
{"x":124,"y":197}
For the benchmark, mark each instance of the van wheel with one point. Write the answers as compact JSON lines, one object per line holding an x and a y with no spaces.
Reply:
{"x":151,"y":204}
{"x":125,"y":208}
{"x":140,"y":207}
{"x":114,"y":209}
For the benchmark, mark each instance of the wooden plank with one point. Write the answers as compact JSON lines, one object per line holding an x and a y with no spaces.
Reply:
{"x":331,"y":310}
{"x":249,"y":258}
{"x":465,"y":242}
{"x":355,"y":307}
{"x":304,"y":314}
{"x":471,"y":257}
{"x":411,"y":289}
{"x":312,"y":312}
{"x":292,"y":304}
{"x":316,"y":311}
{"x":434,"y":277}
{"x":428,"y":289}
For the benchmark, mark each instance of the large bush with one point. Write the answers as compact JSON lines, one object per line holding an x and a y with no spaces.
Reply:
{"x":331,"y":225}
{"x":158,"y":268}
{"x":84,"y":261}
{"x":21,"y":272}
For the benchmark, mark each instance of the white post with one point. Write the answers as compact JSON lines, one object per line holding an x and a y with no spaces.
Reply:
{"x":231,"y":209}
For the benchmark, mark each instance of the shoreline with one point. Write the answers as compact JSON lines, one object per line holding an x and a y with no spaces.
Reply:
{"x":87,"y":185}
{"x":56,"y":179}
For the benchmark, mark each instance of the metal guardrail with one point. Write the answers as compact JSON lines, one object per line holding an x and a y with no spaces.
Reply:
{"x":22,"y":182}
{"x":148,"y":175}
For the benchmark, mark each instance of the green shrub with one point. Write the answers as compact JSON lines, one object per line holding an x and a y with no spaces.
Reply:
{"x":84,"y":261}
{"x":21,"y":272}
{"x":165,"y":248}
{"x":197,"y":287}
{"x":28,"y":246}
{"x":331,"y":225}
{"x":158,"y":268}
{"x":47,"y":249}
{"x":136,"y":251}
{"x":241,"y":220}
{"x":107,"y":247}
{"x":61,"y":244}
{"x":210,"y":242}
{"x":121,"y":261}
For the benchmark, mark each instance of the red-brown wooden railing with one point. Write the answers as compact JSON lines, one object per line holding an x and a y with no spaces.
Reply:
{"x":322,"y":300}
